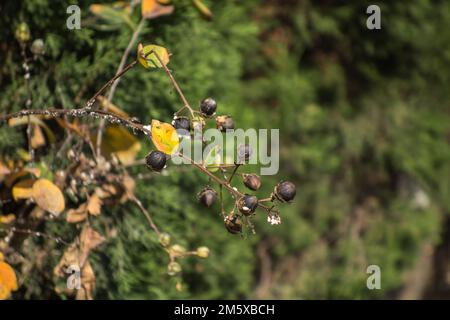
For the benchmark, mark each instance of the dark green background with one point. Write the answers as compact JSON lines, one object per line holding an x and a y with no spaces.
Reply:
{"x":364,"y":121}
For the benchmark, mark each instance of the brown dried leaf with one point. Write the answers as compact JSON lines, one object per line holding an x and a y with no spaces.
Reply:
{"x":87,"y":283}
{"x":69,"y":258}
{"x":48,"y":196}
{"x":77,"y":215}
{"x":94,"y":204}
{"x":37,"y":137}
{"x":89,"y":240}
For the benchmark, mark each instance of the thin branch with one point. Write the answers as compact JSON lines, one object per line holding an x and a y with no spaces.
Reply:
{"x":146,"y":214}
{"x":116,"y":82}
{"x":79,"y":113}
{"x":175,"y":84}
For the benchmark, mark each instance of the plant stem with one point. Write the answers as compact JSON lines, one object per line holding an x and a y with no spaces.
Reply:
{"x":114,"y":84}
{"x":175,"y":84}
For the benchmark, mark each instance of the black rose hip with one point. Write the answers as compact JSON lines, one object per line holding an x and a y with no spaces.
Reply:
{"x":207,"y":196}
{"x":208,"y":106}
{"x":285,"y":191}
{"x":155,"y":160}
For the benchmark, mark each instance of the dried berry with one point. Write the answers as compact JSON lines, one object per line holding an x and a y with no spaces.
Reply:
{"x":207,"y":196}
{"x":252,"y":181}
{"x":208,"y":106}
{"x":233,"y":224}
{"x":244,"y":152}
{"x":247,"y":204}
{"x":155,"y":160}
{"x":224,"y":123}
{"x":181,"y":123}
{"x":284,"y":191}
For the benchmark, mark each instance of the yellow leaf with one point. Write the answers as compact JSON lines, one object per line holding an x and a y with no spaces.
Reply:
{"x":9,"y":218}
{"x":118,"y":141}
{"x":151,"y":9}
{"x":23,"y":189}
{"x":150,"y":60}
{"x":165,"y":137}
{"x":48,"y":196}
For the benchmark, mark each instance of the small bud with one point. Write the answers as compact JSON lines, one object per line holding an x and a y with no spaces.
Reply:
{"x":181,"y":123}
{"x":247,"y":204}
{"x":208,"y":106}
{"x":252,"y":181}
{"x":155,"y":160}
{"x":203,"y":252}
{"x":37,"y":47}
{"x":224,"y":123}
{"x":173,"y":268}
{"x":233,"y":224}
{"x":284,"y":191}
{"x":22,"y":32}
{"x":244,"y":152}
{"x":164,"y":239}
{"x":178,"y":250}
{"x":207,"y":196}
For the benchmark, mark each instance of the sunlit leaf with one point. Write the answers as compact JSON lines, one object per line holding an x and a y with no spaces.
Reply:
{"x":151,"y":9}
{"x":150,"y":60}
{"x":164,"y":137}
{"x":23,"y":189}
{"x":48,"y":196}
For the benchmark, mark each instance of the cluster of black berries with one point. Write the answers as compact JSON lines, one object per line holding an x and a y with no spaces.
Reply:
{"x":245,"y":203}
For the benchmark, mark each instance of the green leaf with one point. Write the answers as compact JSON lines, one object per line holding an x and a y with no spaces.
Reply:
{"x":147,"y":56}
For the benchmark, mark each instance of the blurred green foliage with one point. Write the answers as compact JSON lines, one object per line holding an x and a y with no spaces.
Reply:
{"x":364,"y":123}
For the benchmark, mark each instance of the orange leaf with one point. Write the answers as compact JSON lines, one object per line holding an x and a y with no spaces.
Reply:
{"x":8,"y":280}
{"x":151,"y":9}
{"x":165,"y":137}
